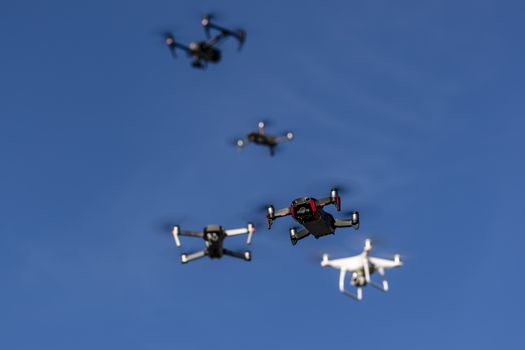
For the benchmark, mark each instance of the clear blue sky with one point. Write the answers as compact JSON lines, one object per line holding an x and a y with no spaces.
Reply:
{"x":417,"y":105}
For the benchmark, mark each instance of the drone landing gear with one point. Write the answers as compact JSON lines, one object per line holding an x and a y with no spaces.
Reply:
{"x":343,"y":290}
{"x":197,"y":63}
{"x":297,"y":236}
{"x":246,"y":255}
{"x":186,"y":258}
{"x":353,"y":222}
{"x":382,"y":287}
{"x":272,"y":150}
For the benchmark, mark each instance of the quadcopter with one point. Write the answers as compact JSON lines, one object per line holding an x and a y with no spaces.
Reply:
{"x":259,"y":137}
{"x":214,"y":236}
{"x":204,"y":52}
{"x":362,"y":266}
{"x":309,"y":212}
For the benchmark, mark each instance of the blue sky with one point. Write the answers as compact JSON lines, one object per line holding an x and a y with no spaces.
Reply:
{"x":415,"y":105}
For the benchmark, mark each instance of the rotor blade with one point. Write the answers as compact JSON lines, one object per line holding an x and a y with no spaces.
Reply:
{"x":165,"y":226}
{"x":267,"y":122}
{"x":237,"y":142}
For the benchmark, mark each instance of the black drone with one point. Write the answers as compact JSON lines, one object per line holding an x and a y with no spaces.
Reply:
{"x":309,"y":212}
{"x":259,"y":137}
{"x":204,"y":52}
{"x":214,"y":236}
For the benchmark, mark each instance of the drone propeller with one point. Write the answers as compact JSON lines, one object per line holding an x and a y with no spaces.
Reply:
{"x":288,"y":135}
{"x":264,"y":123}
{"x":169,"y":41}
{"x":241,"y":37}
{"x":206,"y":21}
{"x":166,"y":226}
{"x":237,"y":142}
{"x":342,"y":189}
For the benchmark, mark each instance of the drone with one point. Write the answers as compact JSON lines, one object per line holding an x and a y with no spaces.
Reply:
{"x":214,"y":236}
{"x":362,"y":266}
{"x":259,"y":137}
{"x":204,"y":52}
{"x":309,"y":212}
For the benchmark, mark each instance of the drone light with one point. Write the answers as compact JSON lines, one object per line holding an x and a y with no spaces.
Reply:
{"x":289,"y":135}
{"x":261,"y":125}
{"x":240,"y":143}
{"x":183,"y":258}
{"x":205,"y":21}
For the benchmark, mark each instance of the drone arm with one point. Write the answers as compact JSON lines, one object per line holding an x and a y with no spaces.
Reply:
{"x":186,"y":258}
{"x":272,"y":215}
{"x":246,"y":255}
{"x":297,"y":236}
{"x":216,"y":39}
{"x":242,"y":142}
{"x":173,"y":45}
{"x":176,"y":233}
{"x":284,"y":138}
{"x":180,"y":46}
{"x":347,"y":223}
{"x":240,"y":35}
{"x":250,"y":229}
{"x":283,"y":212}
{"x":332,"y":199}
{"x":325,"y":201}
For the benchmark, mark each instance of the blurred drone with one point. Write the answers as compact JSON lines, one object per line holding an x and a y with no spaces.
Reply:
{"x":259,"y":137}
{"x":309,"y":212}
{"x":214,"y":236}
{"x":204,"y":52}
{"x":362,"y":266}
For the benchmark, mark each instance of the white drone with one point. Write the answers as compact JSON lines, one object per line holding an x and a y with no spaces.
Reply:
{"x":362,"y":266}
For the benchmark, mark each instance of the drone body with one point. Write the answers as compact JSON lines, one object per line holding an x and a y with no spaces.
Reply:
{"x":214,"y":236}
{"x":309,"y":213}
{"x":361,"y":267}
{"x":260,"y":137}
{"x":204,"y":52}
